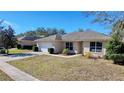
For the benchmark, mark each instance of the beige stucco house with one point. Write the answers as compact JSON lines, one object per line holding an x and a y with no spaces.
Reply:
{"x":77,"y":42}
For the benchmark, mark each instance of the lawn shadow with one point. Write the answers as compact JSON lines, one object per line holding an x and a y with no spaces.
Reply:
{"x":119,"y":63}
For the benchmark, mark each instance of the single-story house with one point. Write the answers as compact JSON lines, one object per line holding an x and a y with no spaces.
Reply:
{"x":77,"y":42}
{"x":27,"y":40}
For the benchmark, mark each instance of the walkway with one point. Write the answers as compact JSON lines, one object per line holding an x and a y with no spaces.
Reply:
{"x":15,"y":73}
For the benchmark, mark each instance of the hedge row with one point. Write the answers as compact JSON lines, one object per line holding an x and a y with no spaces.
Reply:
{"x":34,"y":48}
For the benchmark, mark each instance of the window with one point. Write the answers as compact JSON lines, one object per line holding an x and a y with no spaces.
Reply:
{"x":69,"y":45}
{"x":95,"y":46}
{"x":92,"y":46}
{"x":98,"y":46}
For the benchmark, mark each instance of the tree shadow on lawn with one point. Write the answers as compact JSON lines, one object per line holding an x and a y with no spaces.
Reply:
{"x":119,"y":63}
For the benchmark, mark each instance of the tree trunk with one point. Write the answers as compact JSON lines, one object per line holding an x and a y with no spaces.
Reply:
{"x":7,"y":51}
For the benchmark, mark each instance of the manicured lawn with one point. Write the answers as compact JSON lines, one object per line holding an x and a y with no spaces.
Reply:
{"x":4,"y":77}
{"x":78,"y":68}
{"x":16,"y":51}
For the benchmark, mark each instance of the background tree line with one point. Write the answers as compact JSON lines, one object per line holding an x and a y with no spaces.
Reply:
{"x":40,"y":31}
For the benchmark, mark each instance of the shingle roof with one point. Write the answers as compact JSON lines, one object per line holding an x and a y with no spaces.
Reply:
{"x":51,"y":38}
{"x":77,"y":36}
{"x":88,"y":35}
{"x":31,"y":38}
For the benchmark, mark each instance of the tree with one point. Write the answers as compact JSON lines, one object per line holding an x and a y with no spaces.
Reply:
{"x":30,"y":33}
{"x":62,"y":31}
{"x":41,"y":31}
{"x":80,"y":30}
{"x":115,"y":46}
{"x":8,"y":38}
{"x":20,"y":35}
{"x":119,"y":27}
{"x":105,"y":17}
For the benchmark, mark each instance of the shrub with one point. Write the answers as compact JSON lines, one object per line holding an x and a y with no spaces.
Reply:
{"x":65,"y":51}
{"x":35,"y":48}
{"x":51,"y":50}
{"x":88,"y":55}
{"x":106,"y":57}
{"x":19,"y":46}
{"x":117,"y":58}
{"x":2,"y":51}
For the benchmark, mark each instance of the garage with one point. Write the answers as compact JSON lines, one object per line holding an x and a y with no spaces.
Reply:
{"x":53,"y":41}
{"x":44,"y":46}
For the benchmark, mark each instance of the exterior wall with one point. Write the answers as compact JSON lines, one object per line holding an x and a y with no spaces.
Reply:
{"x":26,"y":42}
{"x":58,"y":46}
{"x":86,"y":48}
{"x":77,"y":47}
{"x":80,"y":47}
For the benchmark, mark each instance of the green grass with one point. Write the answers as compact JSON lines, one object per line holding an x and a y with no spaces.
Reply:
{"x":17,"y":51}
{"x":4,"y":77}
{"x":78,"y":68}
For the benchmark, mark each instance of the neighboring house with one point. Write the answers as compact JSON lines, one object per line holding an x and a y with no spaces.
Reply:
{"x":77,"y":42}
{"x":27,"y":40}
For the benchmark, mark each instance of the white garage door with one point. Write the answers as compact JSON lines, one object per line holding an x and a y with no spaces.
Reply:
{"x":44,"y":46}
